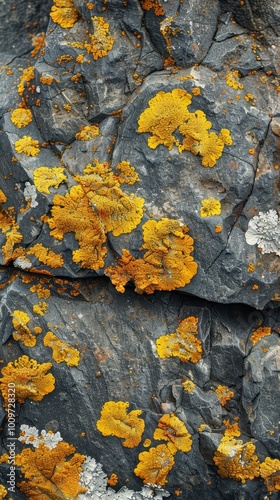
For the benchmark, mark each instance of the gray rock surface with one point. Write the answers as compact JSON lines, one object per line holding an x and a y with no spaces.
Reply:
{"x":200,"y":358}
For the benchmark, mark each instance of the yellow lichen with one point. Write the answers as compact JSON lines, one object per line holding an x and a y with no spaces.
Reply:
{"x":38,"y":42}
{"x":113,"y":480}
{"x":40,"y":308}
{"x":46,"y":255}
{"x":232,"y":80}
{"x":3,"y":197}
{"x":29,"y":379}
{"x":257,"y":335}
{"x":115,"y":421}
{"x":100,"y":41}
{"x":46,"y":80}
{"x":153,"y":4}
{"x":155,"y":464}
{"x":87,"y":133}
{"x":126,"y":173}
{"x":188,"y":385}
{"x":45,"y":177}
{"x":270,"y":473}
{"x":224,"y":394}
{"x":10,"y":228}
{"x":42,"y":293}
{"x":3,"y":492}
{"x":166,"y":112}
{"x":51,"y":473}
{"x":61,"y":351}
{"x":64,"y":13}
{"x":183,"y":344}
{"x":172,"y":429}
{"x":22,"y":332}
{"x":167,"y":263}
{"x":210,"y":207}
{"x":21,"y":117}
{"x":27,"y":76}
{"x":234,"y":458}
{"x":27,"y":145}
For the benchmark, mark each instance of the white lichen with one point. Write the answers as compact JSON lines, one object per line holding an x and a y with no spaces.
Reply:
{"x":30,"y":435}
{"x":264,"y":231}
{"x":22,"y":263}
{"x":30,"y":193}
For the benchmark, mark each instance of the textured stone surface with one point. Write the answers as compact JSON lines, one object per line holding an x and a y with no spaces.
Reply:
{"x":206,"y":352}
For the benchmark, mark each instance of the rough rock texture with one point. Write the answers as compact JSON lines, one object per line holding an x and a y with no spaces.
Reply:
{"x":175,"y":384}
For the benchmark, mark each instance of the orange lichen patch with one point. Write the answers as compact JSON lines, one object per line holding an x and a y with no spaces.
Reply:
{"x":236,"y":459}
{"x":183,"y":344}
{"x":270,"y":473}
{"x":153,"y":4}
{"x":21,"y":117}
{"x":115,"y":421}
{"x":40,"y":308}
{"x":3,"y":492}
{"x":64,"y":13}
{"x":210,"y":147}
{"x":46,"y":80}
{"x":38,"y":42}
{"x":210,"y":207}
{"x":22,"y":332}
{"x":251,"y":151}
{"x":172,"y":429}
{"x":257,"y":335}
{"x":51,"y":474}
{"x":100,"y":42}
{"x":251,"y":267}
{"x":64,"y":58}
{"x":166,"y":112}
{"x":188,"y":385}
{"x":45,"y":177}
{"x":73,"y":213}
{"x":232,"y":430}
{"x":27,"y":76}
{"x":87,"y":133}
{"x":46,"y":256}
{"x":167,"y":263}
{"x":42,"y":293}
{"x":29,"y":377}
{"x":113,"y":480}
{"x":27,"y":145}
{"x":224,"y":394}
{"x":218,"y":228}
{"x":61,"y":351}
{"x":126,"y":173}
{"x":194,"y":129}
{"x":155,"y":464}
{"x":147,"y":443}
{"x":232,"y":80}
{"x":3,"y":197}
{"x":196,"y":91}
{"x":13,"y":236}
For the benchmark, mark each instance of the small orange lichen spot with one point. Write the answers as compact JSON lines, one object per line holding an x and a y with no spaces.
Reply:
{"x":61,"y":351}
{"x":80,"y":58}
{"x":270,"y":473}
{"x":147,"y":443}
{"x":27,"y":76}
{"x":224,"y":394}
{"x":196,"y":91}
{"x":183,"y":344}
{"x":218,"y":228}
{"x":113,"y":480}
{"x":21,"y":117}
{"x":236,"y":459}
{"x":153,"y":4}
{"x":87,"y":133}
{"x":29,"y":377}
{"x":90,"y":6}
{"x":257,"y":335}
{"x":232,"y":430}
{"x":22,"y":332}
{"x":37,"y":330}
{"x":40,"y":308}
{"x":255,"y":287}
{"x":51,"y":473}
{"x":232,"y":80}
{"x":115,"y":421}
{"x":166,"y":112}
{"x":67,"y":107}
{"x":249,"y":97}
{"x":64,"y":13}
{"x":155,"y":464}
{"x":167,"y":263}
{"x":251,"y":267}
{"x":188,"y":385}
{"x":27,"y":145}
{"x":100,"y":42}
{"x":251,"y":151}
{"x":126,"y":173}
{"x":276,"y":167}
{"x":46,"y":80}
{"x":46,"y":177}
{"x":210,"y":207}
{"x":42,"y":293}
{"x":172,"y":429}
{"x":64,"y":58}
{"x":3,"y":492}
{"x":3,"y":197}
